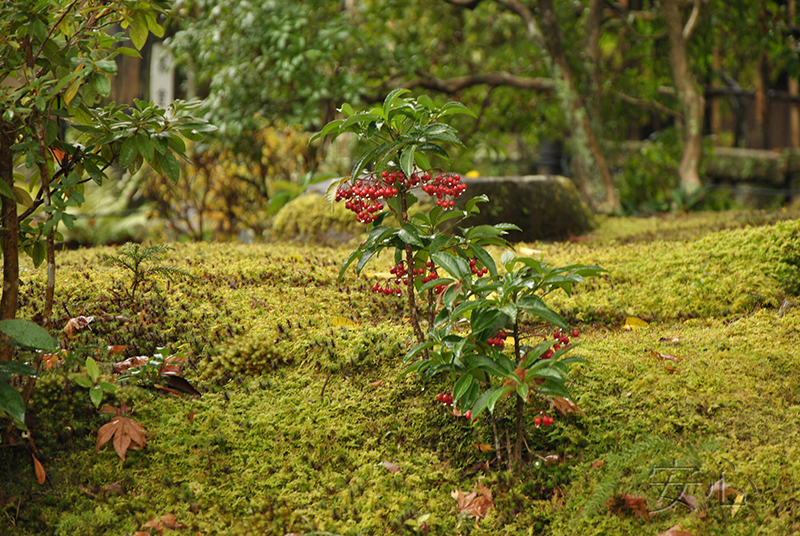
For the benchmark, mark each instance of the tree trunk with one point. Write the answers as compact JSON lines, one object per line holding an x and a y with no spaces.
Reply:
{"x":693,"y":103}
{"x":794,"y":91}
{"x":759,"y":139}
{"x":9,"y":237}
{"x":589,"y":159}
{"x":716,"y":108}
{"x":593,"y":22}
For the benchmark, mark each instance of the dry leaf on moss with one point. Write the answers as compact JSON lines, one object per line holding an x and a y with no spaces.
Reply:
{"x":628,"y":504}
{"x":376,"y":384}
{"x":123,"y":430}
{"x":689,"y":501}
{"x":77,"y":324}
{"x":168,"y":521}
{"x":391,"y":467}
{"x":597,"y":464}
{"x":131,"y":362}
{"x":720,"y":490}
{"x":41,"y":475}
{"x":476,"y":503}
{"x":565,"y":406}
{"x":668,"y":357}
{"x":483,"y":447}
{"x":675,"y":531}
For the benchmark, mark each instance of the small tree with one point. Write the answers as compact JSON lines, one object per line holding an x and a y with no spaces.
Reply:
{"x":56,"y":57}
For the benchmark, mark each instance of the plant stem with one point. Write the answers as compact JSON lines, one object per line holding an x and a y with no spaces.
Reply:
{"x":412,"y":304}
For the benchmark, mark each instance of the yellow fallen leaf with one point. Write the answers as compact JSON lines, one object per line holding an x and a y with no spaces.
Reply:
{"x":528,"y":252}
{"x":473,"y":174}
{"x":341,"y":321}
{"x":737,"y":503}
{"x":634,"y":323}
{"x":483,"y":447}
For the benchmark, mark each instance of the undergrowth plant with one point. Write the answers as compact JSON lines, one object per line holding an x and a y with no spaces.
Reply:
{"x":451,"y":281}
{"x":141,"y":263}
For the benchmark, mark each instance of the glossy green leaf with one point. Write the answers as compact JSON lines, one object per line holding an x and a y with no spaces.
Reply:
{"x":28,"y":335}
{"x":11,"y":402}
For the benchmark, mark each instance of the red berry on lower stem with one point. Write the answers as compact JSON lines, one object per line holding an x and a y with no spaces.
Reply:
{"x":468,"y":414}
{"x":575,"y":333}
{"x":537,"y":421}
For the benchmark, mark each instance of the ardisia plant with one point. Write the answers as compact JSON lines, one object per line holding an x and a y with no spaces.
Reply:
{"x":451,"y":282}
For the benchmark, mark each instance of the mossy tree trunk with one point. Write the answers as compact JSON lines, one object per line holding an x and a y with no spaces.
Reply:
{"x":10,"y":240}
{"x":693,"y":103}
{"x":589,"y":158}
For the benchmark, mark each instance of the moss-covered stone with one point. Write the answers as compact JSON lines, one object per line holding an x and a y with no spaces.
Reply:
{"x":311,"y":217}
{"x":544,"y":207}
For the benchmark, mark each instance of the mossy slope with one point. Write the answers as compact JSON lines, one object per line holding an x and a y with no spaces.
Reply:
{"x":264,"y":452}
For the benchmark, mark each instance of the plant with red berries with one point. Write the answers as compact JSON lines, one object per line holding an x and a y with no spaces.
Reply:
{"x":471,"y":305}
{"x":387,"y":179}
{"x":475,"y":357}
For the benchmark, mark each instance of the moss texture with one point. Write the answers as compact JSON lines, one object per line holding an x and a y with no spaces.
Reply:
{"x":303,"y":401}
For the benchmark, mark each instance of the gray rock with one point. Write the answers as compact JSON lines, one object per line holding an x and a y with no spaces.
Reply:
{"x":545,"y":207}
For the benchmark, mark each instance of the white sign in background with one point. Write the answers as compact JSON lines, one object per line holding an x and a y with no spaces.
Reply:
{"x":162,"y":76}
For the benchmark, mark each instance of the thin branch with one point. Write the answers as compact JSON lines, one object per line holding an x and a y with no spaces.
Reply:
{"x":454,"y":85}
{"x":691,"y":24}
{"x":647,"y":104}
{"x":526,"y":14}
{"x":469,"y":4}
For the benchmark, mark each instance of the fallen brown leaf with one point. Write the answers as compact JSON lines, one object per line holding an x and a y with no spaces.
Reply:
{"x":41,"y":475}
{"x":168,"y":521}
{"x":667,"y":357}
{"x":391,"y":467}
{"x":550,"y":459}
{"x":190,"y":417}
{"x":565,"y":406}
{"x":474,"y":504}
{"x":77,"y":324}
{"x":675,"y":531}
{"x":597,"y":464}
{"x":117,"y":349}
{"x":720,"y":490}
{"x":376,"y":384}
{"x":483,"y":447}
{"x":480,"y":466}
{"x":131,"y":362}
{"x":689,"y":501}
{"x":124,"y":431}
{"x":669,"y":340}
{"x":628,"y":504}
{"x":670,"y":368}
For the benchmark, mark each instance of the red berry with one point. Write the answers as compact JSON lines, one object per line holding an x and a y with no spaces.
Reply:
{"x":468,"y":414}
{"x":439,"y":397}
{"x":537,"y":421}
{"x":575,"y":333}
{"x":556,"y":347}
{"x":556,"y":334}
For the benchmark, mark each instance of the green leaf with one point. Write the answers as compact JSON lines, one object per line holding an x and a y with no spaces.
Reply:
{"x":453,"y":107}
{"x":333,"y":126}
{"x":38,"y":253}
{"x":5,"y":190}
{"x":128,"y":152}
{"x":12,"y":403}
{"x":366,"y":255}
{"x":483,"y":256}
{"x":102,"y":85}
{"x":125,"y":51}
{"x":144,"y":146}
{"x":68,"y":219}
{"x":455,"y":266}
{"x":137,"y":29}
{"x":409,"y":235}
{"x":407,"y":160}
{"x":28,"y":335}
{"x":485,"y":319}
{"x":535,"y":305}
{"x":170,"y":166}
{"x":107,"y":387}
{"x":83,"y":381}
{"x":15,"y":367}
{"x":96,"y":395}
{"x":92,"y":369}
{"x":392,"y":97}
{"x":462,"y":386}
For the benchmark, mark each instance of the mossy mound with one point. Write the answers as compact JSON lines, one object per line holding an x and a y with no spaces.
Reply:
{"x":724,"y":273}
{"x":545,"y":207}
{"x":311,"y":217}
{"x":299,"y":447}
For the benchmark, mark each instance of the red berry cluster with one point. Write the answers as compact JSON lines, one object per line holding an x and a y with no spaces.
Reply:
{"x":364,"y":197}
{"x":443,"y":187}
{"x":445,"y":399}
{"x":498,"y":340}
{"x":400,"y":273}
{"x":562,"y":339}
{"x":542,"y":420}
{"x":473,"y":267}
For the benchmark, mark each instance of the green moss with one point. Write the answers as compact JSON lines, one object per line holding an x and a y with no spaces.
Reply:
{"x":266,"y":450}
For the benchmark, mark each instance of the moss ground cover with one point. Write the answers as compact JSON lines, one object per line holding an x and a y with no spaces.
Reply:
{"x":302,"y":403}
